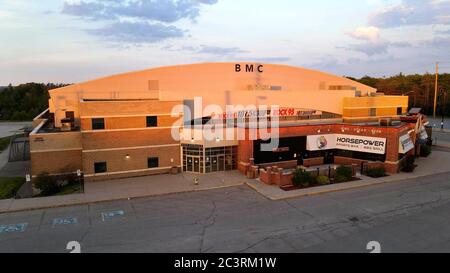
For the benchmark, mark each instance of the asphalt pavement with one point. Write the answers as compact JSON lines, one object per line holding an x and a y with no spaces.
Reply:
{"x":409,"y":216}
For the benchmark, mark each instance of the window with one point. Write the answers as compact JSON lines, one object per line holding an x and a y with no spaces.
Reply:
{"x":100,"y":167}
{"x":399,"y":111}
{"x":98,"y":124}
{"x":153,"y":162}
{"x":373,"y":112}
{"x":70,"y":115}
{"x":152,"y":121}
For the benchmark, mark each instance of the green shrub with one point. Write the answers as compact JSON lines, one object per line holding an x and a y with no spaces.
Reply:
{"x":345,"y":171}
{"x":425,"y":150}
{"x":47,"y":185}
{"x":340,"y":179}
{"x":302,"y":178}
{"x":322,"y":180}
{"x":376,"y":172}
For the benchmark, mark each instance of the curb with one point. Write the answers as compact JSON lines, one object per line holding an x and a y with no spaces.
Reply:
{"x":325,"y":191}
{"x":111,"y":200}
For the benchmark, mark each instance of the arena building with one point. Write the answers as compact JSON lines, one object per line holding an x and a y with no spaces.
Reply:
{"x":152,"y":121}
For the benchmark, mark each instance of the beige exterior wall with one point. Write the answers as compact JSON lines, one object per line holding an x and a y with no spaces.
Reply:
{"x":117,"y":160}
{"x":129,"y":138}
{"x":114,"y":123}
{"x":55,"y":141}
{"x":124,"y":108}
{"x":56,"y":162}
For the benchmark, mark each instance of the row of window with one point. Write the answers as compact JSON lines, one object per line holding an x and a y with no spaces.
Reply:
{"x":373,"y":111}
{"x":102,"y":167}
{"x":99,"y":123}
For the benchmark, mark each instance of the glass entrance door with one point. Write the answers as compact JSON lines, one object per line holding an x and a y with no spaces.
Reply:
{"x":221,"y":163}
{"x":192,"y":164}
{"x":218,"y":163}
{"x":196,"y":164}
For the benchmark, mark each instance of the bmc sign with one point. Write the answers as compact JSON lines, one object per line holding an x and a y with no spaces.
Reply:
{"x":249,"y":68}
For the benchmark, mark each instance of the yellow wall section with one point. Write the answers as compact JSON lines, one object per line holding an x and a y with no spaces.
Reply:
{"x":384,"y":105}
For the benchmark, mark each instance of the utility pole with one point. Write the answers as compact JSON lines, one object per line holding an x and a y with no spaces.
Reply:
{"x":436,"y":90}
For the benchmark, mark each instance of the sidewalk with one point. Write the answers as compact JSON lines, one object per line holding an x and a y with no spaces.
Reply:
{"x":128,"y":188}
{"x":437,"y":162}
{"x":146,"y":186}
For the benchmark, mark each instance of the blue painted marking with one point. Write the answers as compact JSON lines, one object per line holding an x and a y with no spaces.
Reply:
{"x":65,"y":221}
{"x":112,"y":214}
{"x":13,"y":228}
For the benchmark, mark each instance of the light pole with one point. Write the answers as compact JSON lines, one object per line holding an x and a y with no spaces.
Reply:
{"x":79,"y":180}
{"x":442,"y":98}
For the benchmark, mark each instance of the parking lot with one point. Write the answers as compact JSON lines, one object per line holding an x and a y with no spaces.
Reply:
{"x":237,"y":219}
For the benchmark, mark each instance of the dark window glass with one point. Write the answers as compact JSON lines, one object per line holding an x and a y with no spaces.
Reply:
{"x":70,"y":115}
{"x":98,"y":124}
{"x":100,"y":167}
{"x":152,"y":121}
{"x":399,"y":111}
{"x":153,"y":162}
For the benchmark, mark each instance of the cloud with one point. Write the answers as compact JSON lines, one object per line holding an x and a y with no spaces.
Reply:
{"x":412,"y":13}
{"x":437,"y":43}
{"x":370,"y":49}
{"x":366,"y":33}
{"x":167,"y":11}
{"x":219,"y":51}
{"x":373,"y":43}
{"x":136,"y":21}
{"x":137,"y":32}
{"x":208,"y":50}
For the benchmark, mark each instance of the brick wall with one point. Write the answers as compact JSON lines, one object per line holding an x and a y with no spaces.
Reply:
{"x":117,"y":162}
{"x":121,"y":139}
{"x":56,"y":162}
{"x":313,"y":161}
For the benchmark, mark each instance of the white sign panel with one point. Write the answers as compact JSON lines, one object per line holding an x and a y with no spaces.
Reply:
{"x":405,"y":144}
{"x":423,"y":133}
{"x":374,"y":145}
{"x":321,"y":142}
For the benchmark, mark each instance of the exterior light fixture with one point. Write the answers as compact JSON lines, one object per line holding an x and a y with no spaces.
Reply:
{"x":127,"y":156}
{"x":218,"y":139}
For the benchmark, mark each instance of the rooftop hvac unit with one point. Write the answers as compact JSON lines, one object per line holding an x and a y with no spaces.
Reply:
{"x":67,"y":124}
{"x":386,"y":122}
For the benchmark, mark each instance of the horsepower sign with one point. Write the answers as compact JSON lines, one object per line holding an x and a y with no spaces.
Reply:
{"x":374,"y":145}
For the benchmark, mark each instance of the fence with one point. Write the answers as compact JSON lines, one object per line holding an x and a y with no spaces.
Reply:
{"x":19,"y":148}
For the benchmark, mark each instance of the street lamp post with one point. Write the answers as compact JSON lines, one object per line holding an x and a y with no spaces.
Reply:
{"x":442,"y":95}
{"x":79,"y":180}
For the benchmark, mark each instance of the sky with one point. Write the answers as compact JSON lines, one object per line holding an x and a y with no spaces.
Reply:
{"x":68,"y":41}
